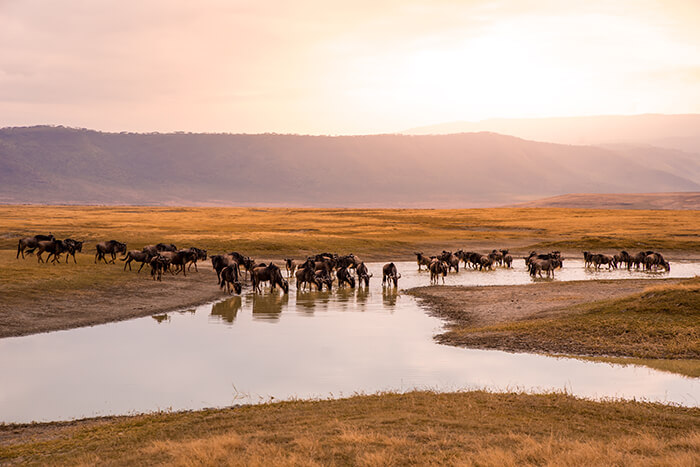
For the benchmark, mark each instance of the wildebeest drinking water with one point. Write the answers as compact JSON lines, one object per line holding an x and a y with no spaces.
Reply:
{"x":390,"y":275}
{"x":268,"y":273}
{"x":112,"y":247}
{"x":363,"y":275}
{"x":230,"y":279}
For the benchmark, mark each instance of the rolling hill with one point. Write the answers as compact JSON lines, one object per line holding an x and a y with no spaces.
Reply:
{"x":680,"y":132}
{"x":77,"y":166}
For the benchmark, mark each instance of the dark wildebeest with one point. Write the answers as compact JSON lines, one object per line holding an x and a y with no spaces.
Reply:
{"x":230,"y":279}
{"x":654,"y":261}
{"x":290,"y":265}
{"x":486,"y":262}
{"x":507,"y":259}
{"x":139,"y":256}
{"x":245,"y":261}
{"x":422,"y":260}
{"x":474,"y":259}
{"x":363,"y":274}
{"x":548,"y":265}
{"x":179,"y":259}
{"x":53,"y":247}
{"x":271,"y":274}
{"x":344,"y":277}
{"x":166,"y":247}
{"x":31,"y":243}
{"x":195,"y":255}
{"x":438,"y":268}
{"x":451,"y":259}
{"x":390,"y":275}
{"x":496,"y":256}
{"x":159,"y":264}
{"x":72,"y":246}
{"x":112,"y":247}
{"x":347,"y":261}
{"x":321,"y":278}
{"x":219,"y":262}
{"x":599,"y":260}
{"x":306,"y":276}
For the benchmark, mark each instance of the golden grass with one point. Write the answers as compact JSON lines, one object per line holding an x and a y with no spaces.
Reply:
{"x":472,"y":428}
{"x":663,"y":322}
{"x":376,"y":233}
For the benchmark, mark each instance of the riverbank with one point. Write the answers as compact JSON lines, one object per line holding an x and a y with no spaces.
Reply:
{"x":40,"y":298}
{"x":624,"y":318}
{"x":472,"y":428}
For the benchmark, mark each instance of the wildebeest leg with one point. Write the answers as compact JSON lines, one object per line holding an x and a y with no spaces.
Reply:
{"x":142,"y":265}
{"x":127,"y":262}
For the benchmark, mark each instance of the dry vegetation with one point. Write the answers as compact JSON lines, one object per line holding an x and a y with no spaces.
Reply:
{"x":662,"y":322}
{"x":472,"y":428}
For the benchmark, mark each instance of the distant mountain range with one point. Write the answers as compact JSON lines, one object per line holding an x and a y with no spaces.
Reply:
{"x":680,"y":132}
{"x":63,"y":165}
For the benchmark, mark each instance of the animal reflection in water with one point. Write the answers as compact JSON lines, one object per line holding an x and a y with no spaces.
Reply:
{"x":308,"y":301}
{"x":228,"y":309}
{"x":389,"y":296}
{"x":161,"y":318}
{"x":268,"y":307}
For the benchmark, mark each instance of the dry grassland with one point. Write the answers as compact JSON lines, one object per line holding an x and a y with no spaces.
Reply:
{"x":419,"y":428}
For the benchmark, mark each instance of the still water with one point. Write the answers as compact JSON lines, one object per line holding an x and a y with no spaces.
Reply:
{"x":253,"y":348}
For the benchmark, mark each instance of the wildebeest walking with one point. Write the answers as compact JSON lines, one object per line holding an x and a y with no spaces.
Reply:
{"x":31,"y":243}
{"x":72,"y":246}
{"x":52,"y":247}
{"x":112,"y":247}
{"x":139,"y":256}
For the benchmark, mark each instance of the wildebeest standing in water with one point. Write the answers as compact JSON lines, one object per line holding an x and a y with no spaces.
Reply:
{"x":230,"y":279}
{"x":112,"y":247}
{"x":268,"y":273}
{"x":390,"y":275}
{"x":290,"y":265}
{"x":363,"y":275}
{"x":31,"y":243}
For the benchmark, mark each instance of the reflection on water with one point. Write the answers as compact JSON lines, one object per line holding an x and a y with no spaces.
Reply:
{"x":162,"y":317}
{"x":319,"y":343}
{"x":267,"y":306}
{"x":228,"y":309}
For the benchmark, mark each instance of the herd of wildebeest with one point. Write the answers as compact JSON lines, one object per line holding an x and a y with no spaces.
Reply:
{"x":319,"y":271}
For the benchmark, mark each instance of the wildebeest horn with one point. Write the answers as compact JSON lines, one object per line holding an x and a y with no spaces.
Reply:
{"x":399,"y":276}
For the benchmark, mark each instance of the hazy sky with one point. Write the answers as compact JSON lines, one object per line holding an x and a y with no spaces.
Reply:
{"x":355,"y":67}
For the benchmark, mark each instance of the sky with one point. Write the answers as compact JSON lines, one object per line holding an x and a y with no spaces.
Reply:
{"x":324,"y":67}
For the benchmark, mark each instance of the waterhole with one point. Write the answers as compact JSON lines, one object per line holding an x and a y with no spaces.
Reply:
{"x":254,"y":348}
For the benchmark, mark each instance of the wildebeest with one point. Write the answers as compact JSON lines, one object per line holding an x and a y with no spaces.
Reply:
{"x":268,"y":273}
{"x":31,"y":243}
{"x":321,"y":278}
{"x":344,"y":277}
{"x":600,"y":259}
{"x":656,"y":260}
{"x":496,"y":256}
{"x":390,"y":275}
{"x":422,"y":260}
{"x":245,"y":261}
{"x":230,"y":279}
{"x":486,"y":262}
{"x":53,"y":247}
{"x":219,"y":262}
{"x":159,"y":264}
{"x":306,"y":276}
{"x":450,"y":259}
{"x":166,"y":247}
{"x":507,"y":259}
{"x":72,"y":246}
{"x":195,"y":255}
{"x":139,"y":256}
{"x":547,"y":265}
{"x":112,"y":247}
{"x":179,"y":259}
{"x":290,"y":265}
{"x":437,"y":268}
{"x":363,"y":275}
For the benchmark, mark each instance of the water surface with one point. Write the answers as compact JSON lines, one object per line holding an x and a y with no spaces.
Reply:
{"x":254,"y":348}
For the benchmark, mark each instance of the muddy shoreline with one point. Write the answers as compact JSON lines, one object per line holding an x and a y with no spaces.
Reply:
{"x":133,"y":299}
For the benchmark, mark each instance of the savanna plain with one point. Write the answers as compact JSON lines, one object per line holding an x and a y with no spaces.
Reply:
{"x":622,"y":320}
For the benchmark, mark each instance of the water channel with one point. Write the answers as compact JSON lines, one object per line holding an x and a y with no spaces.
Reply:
{"x":254,"y":348}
